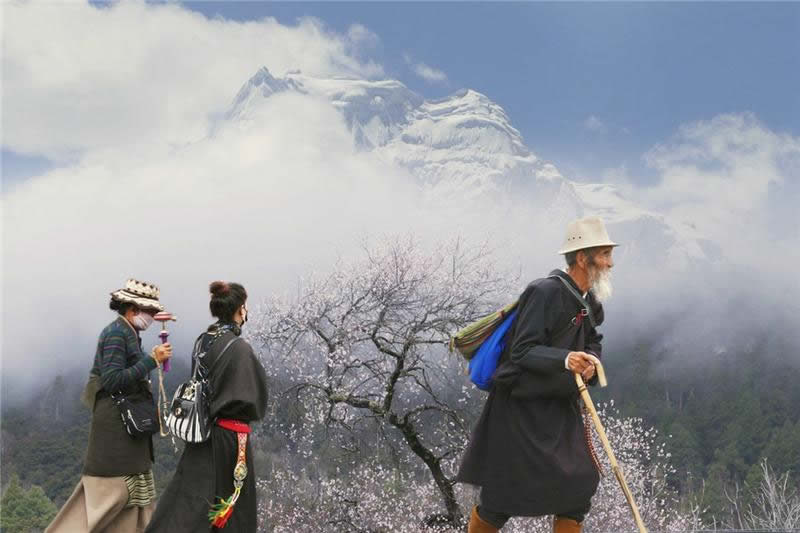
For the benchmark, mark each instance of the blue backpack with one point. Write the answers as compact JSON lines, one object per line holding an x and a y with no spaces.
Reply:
{"x":484,"y":362}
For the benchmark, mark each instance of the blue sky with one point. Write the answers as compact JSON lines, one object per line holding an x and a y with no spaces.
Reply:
{"x":640,"y":69}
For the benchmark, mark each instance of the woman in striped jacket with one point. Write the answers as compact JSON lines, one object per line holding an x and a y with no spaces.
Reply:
{"x":116,"y":492}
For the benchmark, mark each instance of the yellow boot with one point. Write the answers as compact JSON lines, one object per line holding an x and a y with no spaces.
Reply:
{"x":478,"y":524}
{"x":566,"y":525}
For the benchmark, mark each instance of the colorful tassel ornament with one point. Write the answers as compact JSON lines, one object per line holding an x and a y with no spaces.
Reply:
{"x":222,"y":511}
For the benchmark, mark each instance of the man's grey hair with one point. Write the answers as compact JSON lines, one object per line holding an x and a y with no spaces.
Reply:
{"x":572,"y":257}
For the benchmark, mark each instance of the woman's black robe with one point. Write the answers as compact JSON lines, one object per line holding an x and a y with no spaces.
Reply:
{"x":528,"y":450}
{"x":205,"y":471}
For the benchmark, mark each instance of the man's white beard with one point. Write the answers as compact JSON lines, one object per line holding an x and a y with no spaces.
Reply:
{"x":600,"y":281}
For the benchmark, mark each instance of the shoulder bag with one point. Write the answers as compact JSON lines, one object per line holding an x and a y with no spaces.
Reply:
{"x":188,"y":416}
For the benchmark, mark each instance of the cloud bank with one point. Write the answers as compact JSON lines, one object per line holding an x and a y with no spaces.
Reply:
{"x":133,"y":72}
{"x":733,"y":184}
{"x":257,"y":203}
{"x":732,"y":178}
{"x":125,"y":97}
{"x":145,"y":190}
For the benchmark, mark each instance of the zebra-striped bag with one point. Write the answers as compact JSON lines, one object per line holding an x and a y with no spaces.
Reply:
{"x":188,"y":417}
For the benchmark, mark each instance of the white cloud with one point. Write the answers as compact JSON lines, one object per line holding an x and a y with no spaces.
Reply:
{"x":261,"y":202}
{"x":360,"y":34}
{"x":594,"y":124}
{"x":733,"y":179}
{"x":125,"y":93}
{"x":264,"y":201}
{"x":730,"y":186}
{"x":427,"y":73}
{"x":79,"y":77}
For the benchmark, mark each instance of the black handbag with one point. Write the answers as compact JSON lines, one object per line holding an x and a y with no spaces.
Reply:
{"x":138,"y":412}
{"x":188,"y":416}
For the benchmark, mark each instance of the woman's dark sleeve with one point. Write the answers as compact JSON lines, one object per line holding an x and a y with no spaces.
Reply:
{"x":536,"y":322}
{"x":241,"y":387}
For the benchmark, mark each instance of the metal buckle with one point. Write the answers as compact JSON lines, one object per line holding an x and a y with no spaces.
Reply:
{"x":583,"y":313}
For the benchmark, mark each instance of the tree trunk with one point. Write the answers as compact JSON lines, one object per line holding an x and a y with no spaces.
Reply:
{"x":443,"y":483}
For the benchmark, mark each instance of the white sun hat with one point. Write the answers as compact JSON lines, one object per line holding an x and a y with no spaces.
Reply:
{"x":144,"y":295}
{"x":586,"y":233}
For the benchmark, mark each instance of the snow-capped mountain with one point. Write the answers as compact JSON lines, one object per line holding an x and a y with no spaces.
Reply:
{"x":463,"y":148}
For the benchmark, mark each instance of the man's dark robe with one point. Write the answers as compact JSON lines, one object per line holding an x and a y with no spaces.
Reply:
{"x":205,"y":471}
{"x":528,"y":451}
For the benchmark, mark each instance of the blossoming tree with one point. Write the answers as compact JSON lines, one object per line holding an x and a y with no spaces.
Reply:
{"x":367,"y":345}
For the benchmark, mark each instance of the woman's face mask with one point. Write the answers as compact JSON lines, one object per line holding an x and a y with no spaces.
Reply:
{"x":142,"y":320}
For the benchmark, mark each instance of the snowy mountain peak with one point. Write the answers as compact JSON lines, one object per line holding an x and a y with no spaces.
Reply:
{"x":464,"y":149}
{"x":261,"y":85}
{"x":380,"y":112}
{"x":471,"y":112}
{"x":464,"y":142}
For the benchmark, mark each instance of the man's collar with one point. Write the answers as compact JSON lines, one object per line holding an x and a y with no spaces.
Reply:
{"x":560,"y":273}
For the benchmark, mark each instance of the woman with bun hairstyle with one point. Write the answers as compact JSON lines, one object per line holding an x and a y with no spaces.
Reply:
{"x":203,"y":494}
{"x":116,"y":491}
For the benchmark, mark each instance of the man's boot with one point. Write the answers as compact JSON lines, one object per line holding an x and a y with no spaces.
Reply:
{"x":566,"y":525}
{"x":478,"y":524}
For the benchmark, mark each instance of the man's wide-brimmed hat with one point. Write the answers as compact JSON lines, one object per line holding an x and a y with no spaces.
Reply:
{"x":586,"y":233}
{"x":144,"y":295}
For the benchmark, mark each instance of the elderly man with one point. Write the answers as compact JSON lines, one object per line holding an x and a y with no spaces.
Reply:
{"x":529,"y":453}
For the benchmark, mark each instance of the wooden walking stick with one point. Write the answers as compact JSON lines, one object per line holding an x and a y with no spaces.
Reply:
{"x":587,"y":400}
